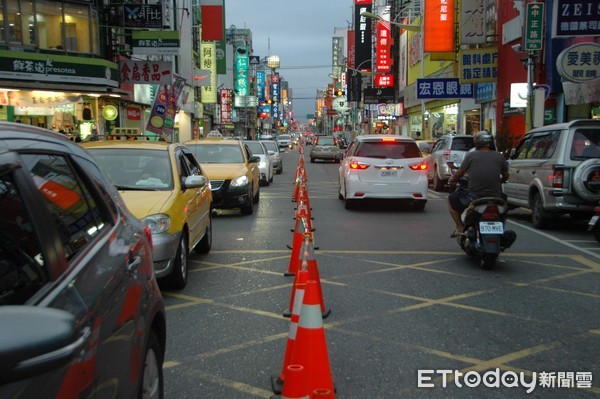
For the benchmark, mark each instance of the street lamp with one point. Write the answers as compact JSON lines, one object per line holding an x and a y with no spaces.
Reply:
{"x":412,"y":28}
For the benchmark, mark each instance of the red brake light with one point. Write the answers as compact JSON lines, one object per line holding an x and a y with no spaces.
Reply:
{"x":358,"y":165}
{"x":491,"y":213}
{"x":418,"y":166}
{"x":388,"y":139}
{"x":557,"y":178}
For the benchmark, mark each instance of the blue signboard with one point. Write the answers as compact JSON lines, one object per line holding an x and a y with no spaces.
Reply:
{"x":440,"y":88}
{"x":261,"y":84}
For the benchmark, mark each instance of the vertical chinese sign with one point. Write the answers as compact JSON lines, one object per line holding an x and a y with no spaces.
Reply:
{"x":362,"y":35}
{"x":439,"y":26}
{"x":208,"y":93}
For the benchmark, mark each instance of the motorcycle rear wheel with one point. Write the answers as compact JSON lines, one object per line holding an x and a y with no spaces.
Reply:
{"x":488,"y":261}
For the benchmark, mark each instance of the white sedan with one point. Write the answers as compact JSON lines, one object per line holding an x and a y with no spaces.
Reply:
{"x":382,"y":166}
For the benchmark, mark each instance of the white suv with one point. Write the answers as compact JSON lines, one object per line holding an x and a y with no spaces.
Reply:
{"x":447,"y":149}
{"x":555,"y":170}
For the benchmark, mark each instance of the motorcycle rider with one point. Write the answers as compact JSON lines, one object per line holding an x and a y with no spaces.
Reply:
{"x":487,"y":170}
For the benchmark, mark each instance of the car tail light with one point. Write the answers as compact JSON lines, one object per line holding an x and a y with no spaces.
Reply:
{"x":490,"y":213}
{"x":388,"y":139}
{"x":358,"y":165}
{"x":557,"y":178}
{"x":148,"y":234}
{"x":418,"y":166}
{"x":597,"y":209}
{"x":446,"y":154}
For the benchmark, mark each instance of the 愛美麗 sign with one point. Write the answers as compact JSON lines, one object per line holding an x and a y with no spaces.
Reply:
{"x":57,"y":69}
{"x":579,"y":63}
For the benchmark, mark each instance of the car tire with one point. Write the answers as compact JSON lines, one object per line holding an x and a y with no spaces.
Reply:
{"x":419,"y":205}
{"x":179,"y":275}
{"x":256,"y":197}
{"x":248,"y":207}
{"x":539,"y":217}
{"x":152,"y":378}
{"x":581,"y":179}
{"x":205,"y":243}
{"x":438,"y":184}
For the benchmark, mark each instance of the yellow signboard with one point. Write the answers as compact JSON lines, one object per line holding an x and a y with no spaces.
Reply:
{"x":478,"y":65}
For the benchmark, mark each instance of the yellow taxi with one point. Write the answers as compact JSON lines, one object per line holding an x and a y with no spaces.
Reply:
{"x":164,"y":186}
{"x":233,"y":171}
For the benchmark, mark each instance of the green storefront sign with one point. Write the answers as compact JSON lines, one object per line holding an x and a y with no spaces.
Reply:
{"x":155,"y":42}
{"x":57,"y":69}
{"x":534,"y":27}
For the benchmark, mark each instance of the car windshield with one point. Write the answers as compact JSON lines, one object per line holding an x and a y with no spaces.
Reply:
{"x":388,"y":149}
{"x":217,"y":153}
{"x":284,"y":137}
{"x":586,"y":144}
{"x":255,"y":147}
{"x":135,"y":169}
{"x":462,"y":143}
{"x":326,"y":141}
{"x":271,"y":146}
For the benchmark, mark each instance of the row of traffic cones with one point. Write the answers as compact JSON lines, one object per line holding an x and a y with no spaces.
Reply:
{"x":306,"y":371}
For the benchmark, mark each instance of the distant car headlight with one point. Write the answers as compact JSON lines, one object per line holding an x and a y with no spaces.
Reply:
{"x":239,"y":181}
{"x":158,"y":223}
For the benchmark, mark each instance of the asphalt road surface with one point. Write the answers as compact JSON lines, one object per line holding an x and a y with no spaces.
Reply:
{"x":410,"y":312}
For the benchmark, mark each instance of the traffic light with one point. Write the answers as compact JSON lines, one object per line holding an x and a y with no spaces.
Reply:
{"x":340,"y":93}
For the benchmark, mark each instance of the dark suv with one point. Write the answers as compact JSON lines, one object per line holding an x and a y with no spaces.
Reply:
{"x":447,"y":149}
{"x":555,"y":170}
{"x":81,"y":314}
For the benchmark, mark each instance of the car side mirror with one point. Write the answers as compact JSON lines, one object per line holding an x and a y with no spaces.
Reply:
{"x":254,"y":158}
{"x":271,"y":152}
{"x":195,"y":181}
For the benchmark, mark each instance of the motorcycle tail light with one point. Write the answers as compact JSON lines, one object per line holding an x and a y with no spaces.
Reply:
{"x":557,"y":178}
{"x":490,"y":213}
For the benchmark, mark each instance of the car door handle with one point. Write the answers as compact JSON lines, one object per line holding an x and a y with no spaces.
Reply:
{"x":134,"y":263}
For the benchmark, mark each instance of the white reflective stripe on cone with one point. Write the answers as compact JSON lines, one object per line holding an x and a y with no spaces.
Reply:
{"x":310,"y":317}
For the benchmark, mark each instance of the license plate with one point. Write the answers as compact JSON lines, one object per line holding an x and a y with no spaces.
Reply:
{"x":389,"y":173}
{"x":491,"y":228}
{"x":593,"y":220}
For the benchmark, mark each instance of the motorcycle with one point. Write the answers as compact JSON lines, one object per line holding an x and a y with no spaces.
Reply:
{"x":484,"y":219}
{"x":594,"y":223}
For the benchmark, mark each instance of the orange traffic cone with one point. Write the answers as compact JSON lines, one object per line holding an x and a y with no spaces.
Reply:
{"x":295,"y":387}
{"x":304,"y":210}
{"x":297,"y":242}
{"x":322,"y":394}
{"x":310,"y":347}
{"x":299,"y":287}
{"x":313,"y":272}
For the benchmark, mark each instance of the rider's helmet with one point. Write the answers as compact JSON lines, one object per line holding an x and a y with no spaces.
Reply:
{"x":483,"y":139}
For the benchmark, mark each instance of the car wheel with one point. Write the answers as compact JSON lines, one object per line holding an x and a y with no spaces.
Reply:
{"x":419,"y":205}
{"x":582,"y":177}
{"x":256,"y":196}
{"x":438,"y":184}
{"x":206,"y":242}
{"x":179,"y":275}
{"x":248,"y":207}
{"x":539,"y":217}
{"x":152,"y":383}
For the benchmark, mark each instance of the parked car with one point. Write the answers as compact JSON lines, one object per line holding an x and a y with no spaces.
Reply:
{"x":265,"y":165}
{"x":425,"y":146}
{"x":383,"y":166}
{"x":324,"y":148}
{"x":448,"y":150}
{"x":233,"y":172}
{"x":555,"y":170}
{"x":165,"y":187}
{"x":81,"y":314}
{"x":275,"y":155}
{"x":284,"y":140}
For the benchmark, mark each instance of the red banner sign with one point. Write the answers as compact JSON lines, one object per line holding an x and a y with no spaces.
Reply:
{"x":439,"y":26}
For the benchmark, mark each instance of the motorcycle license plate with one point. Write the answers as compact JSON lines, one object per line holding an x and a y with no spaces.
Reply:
{"x":491,"y":227}
{"x":593,"y":221}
